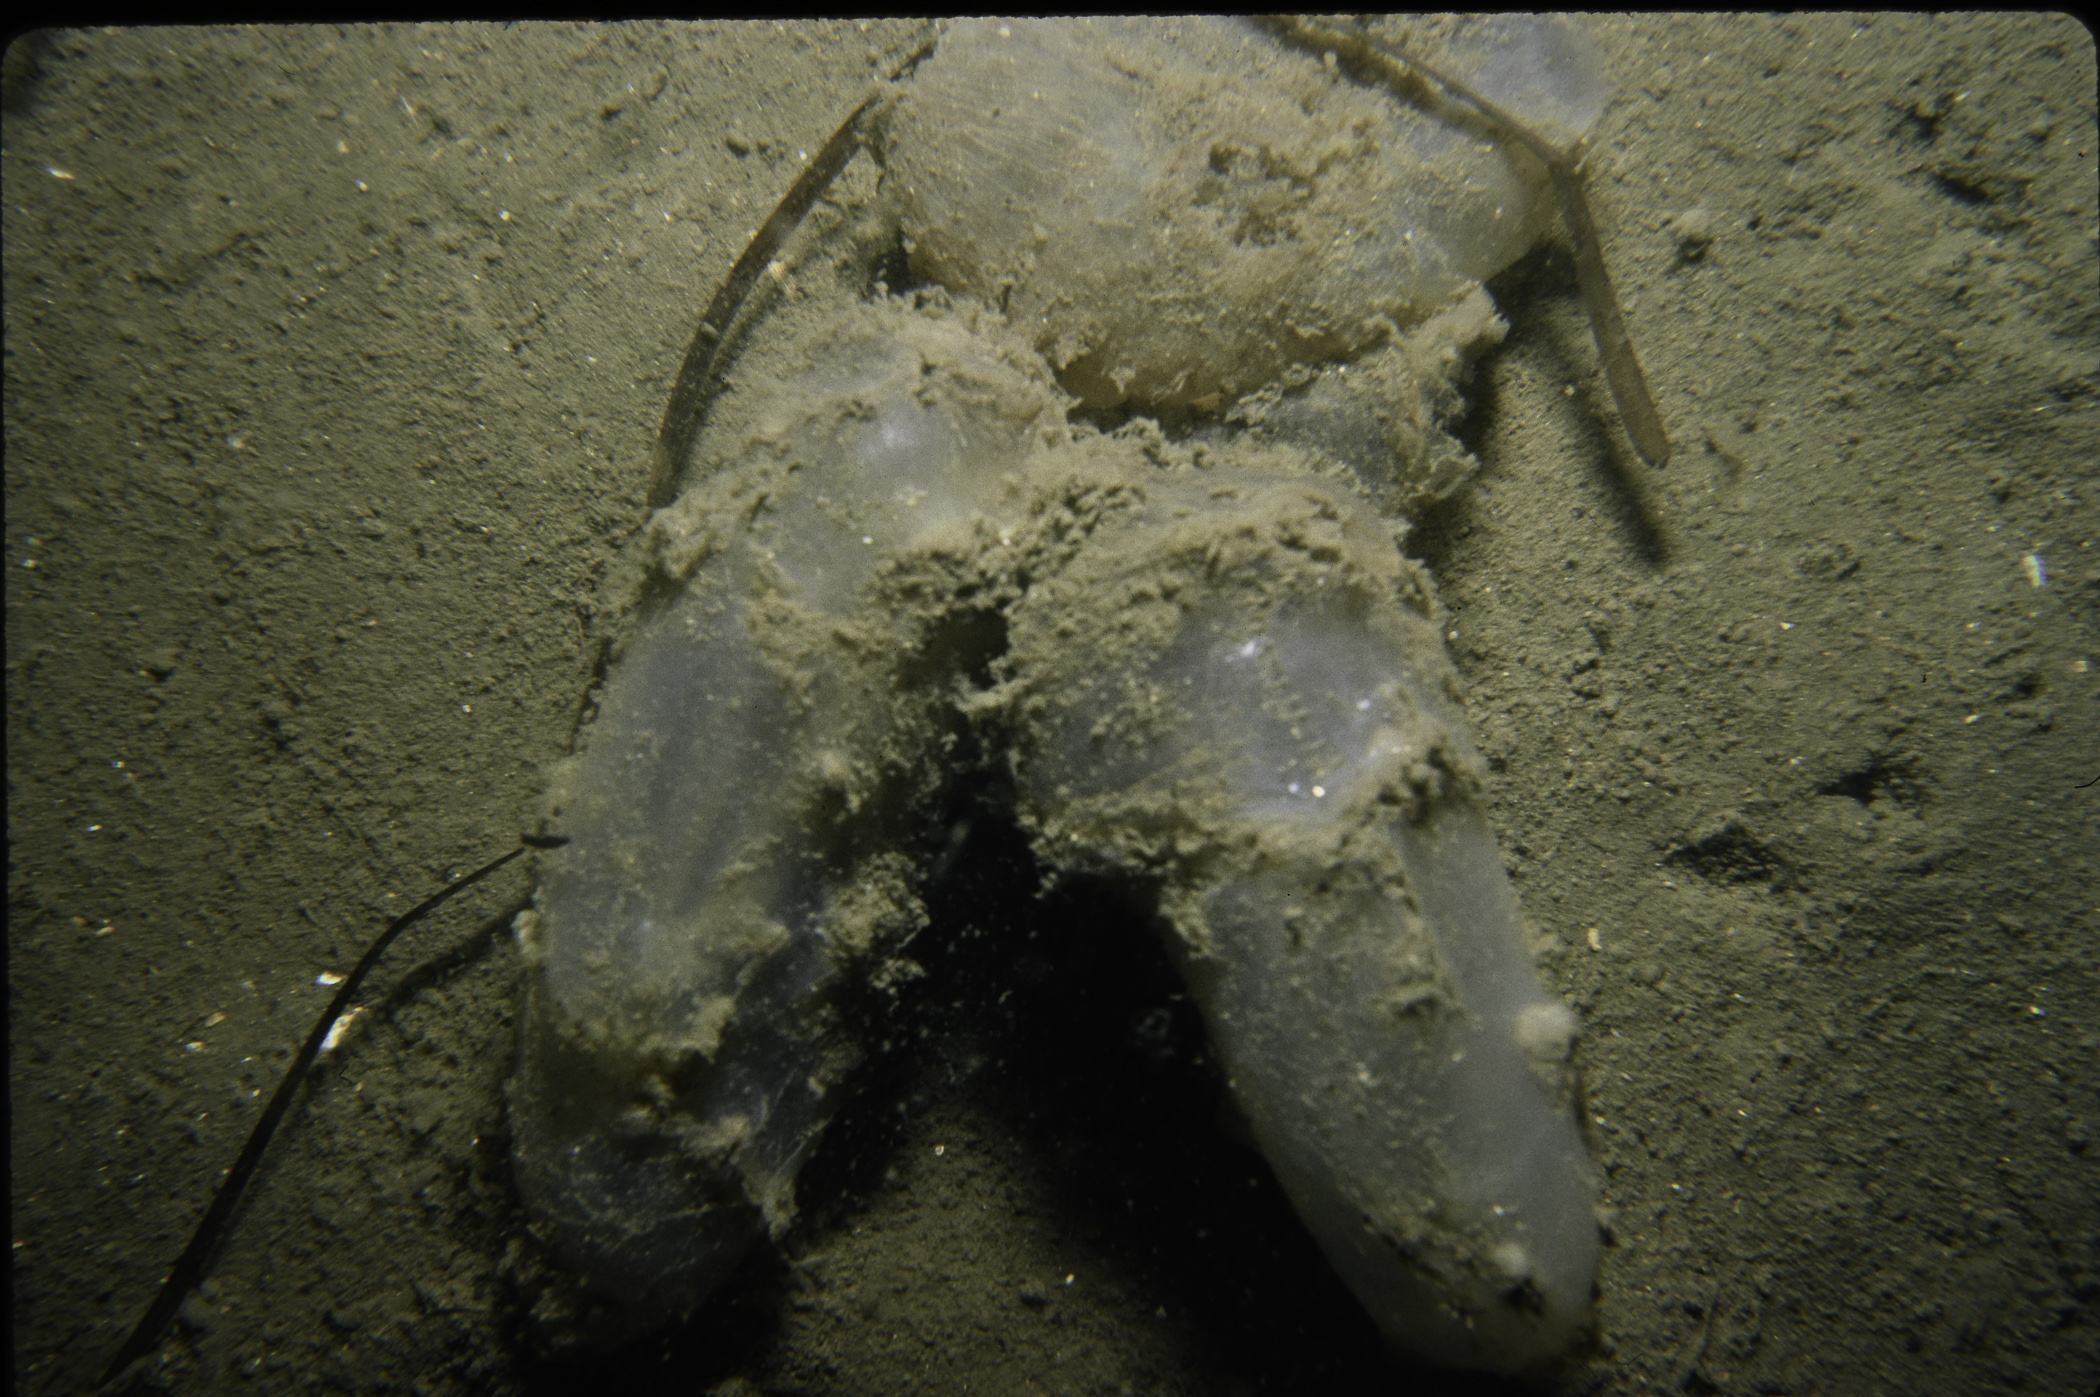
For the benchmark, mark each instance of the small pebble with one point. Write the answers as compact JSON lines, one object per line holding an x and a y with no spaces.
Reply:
{"x":195,"y":1315}
{"x":1694,"y":231}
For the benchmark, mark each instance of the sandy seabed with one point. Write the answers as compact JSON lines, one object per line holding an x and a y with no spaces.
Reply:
{"x":334,"y":361}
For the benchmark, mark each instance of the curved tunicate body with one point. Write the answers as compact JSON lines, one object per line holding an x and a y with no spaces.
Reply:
{"x":1212,"y":673}
{"x":740,"y":813}
{"x":1267,"y":727}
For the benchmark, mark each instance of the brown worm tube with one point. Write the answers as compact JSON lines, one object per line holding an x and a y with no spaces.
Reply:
{"x":1564,"y":165}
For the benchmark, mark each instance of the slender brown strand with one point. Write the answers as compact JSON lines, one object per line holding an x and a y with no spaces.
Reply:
{"x":1622,"y":367}
{"x":698,"y":375}
{"x":688,"y":406}
{"x":1565,"y":167}
{"x":189,"y":1268}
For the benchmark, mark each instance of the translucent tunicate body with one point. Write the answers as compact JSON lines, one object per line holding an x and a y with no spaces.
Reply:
{"x":1173,"y":212}
{"x":1210,"y":670}
{"x":733,"y":864}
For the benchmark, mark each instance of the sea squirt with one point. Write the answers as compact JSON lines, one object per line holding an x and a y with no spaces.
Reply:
{"x":1211,"y":671}
{"x":737,"y":803}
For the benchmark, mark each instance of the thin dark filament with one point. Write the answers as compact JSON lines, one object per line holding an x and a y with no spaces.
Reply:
{"x":190,"y":1267}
